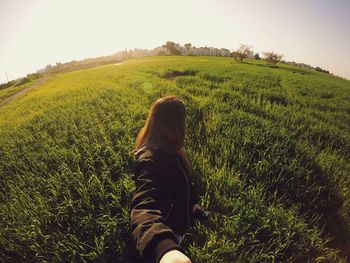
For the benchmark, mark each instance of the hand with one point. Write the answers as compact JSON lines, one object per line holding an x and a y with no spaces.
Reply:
{"x":174,"y":256}
{"x":195,"y":206}
{"x":199,"y":214}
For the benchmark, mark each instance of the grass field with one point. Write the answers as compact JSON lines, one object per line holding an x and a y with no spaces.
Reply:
{"x":269,"y":145}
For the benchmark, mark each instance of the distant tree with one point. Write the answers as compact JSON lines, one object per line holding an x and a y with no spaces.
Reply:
{"x":322,"y":70}
{"x":244,"y":51}
{"x":256,"y":56}
{"x":188,"y":47}
{"x":272,"y":57}
{"x":170,"y":46}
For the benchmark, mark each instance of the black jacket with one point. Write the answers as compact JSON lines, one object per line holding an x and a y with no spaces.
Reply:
{"x":162,"y":204}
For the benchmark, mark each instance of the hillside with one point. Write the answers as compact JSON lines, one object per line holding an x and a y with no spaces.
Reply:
{"x":269,"y":145}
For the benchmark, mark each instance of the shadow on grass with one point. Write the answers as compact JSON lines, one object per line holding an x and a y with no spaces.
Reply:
{"x":293,"y":175}
{"x":309,"y":187}
{"x":292,"y":70}
{"x":172,"y":74}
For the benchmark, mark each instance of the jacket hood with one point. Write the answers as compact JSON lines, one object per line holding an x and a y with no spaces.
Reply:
{"x":155,"y":145}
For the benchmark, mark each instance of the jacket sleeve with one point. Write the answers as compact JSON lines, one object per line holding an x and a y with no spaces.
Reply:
{"x":194,"y":197}
{"x":153,"y":238}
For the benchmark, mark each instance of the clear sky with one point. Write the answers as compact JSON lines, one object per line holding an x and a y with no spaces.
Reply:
{"x":35,"y":33}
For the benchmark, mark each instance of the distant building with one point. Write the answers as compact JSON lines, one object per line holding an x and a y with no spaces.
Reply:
{"x":195,"y":51}
{"x":225,"y":52}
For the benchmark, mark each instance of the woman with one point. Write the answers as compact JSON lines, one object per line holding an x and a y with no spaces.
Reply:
{"x":165,"y":202}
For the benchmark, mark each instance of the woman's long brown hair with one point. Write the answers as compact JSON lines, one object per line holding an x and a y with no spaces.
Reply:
{"x":166,"y":122}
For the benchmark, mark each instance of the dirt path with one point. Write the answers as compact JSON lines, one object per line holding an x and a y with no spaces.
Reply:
{"x":23,"y":91}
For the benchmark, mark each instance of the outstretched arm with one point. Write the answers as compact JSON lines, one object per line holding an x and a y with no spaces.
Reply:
{"x":197,"y":211}
{"x":153,"y":237}
{"x":194,"y":197}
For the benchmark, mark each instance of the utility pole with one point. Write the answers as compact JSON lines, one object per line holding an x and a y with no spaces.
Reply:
{"x":7,"y":78}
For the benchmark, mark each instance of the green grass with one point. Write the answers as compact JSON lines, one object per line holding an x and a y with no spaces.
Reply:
{"x":269,"y":145}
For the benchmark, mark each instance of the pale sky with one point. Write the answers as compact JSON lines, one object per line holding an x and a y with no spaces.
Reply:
{"x":35,"y":33}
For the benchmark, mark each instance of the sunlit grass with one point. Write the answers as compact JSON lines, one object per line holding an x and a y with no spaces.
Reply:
{"x":270,"y":149}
